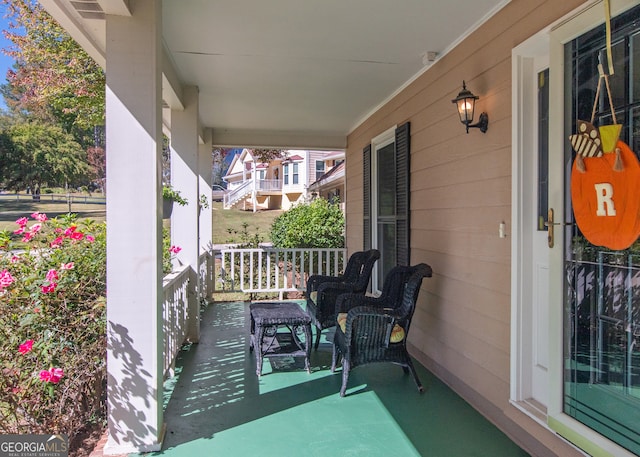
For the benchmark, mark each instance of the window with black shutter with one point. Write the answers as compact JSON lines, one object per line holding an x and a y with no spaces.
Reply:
{"x":386,"y":200}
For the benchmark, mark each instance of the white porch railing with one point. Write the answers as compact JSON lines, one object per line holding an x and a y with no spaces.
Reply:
{"x":269,"y":185}
{"x":244,"y":189}
{"x":206,"y":275}
{"x":236,"y":194}
{"x":175,"y":309}
{"x":175,"y":315}
{"x":272,"y":270}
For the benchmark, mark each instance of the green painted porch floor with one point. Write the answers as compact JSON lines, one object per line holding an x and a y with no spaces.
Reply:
{"x":219,"y":407}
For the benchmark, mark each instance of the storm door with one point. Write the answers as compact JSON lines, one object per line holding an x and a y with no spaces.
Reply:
{"x":601,"y":371}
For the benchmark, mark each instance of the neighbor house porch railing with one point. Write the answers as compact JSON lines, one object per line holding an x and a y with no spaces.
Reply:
{"x":261,"y":185}
{"x":175,"y":309}
{"x":269,"y":185}
{"x":237,"y":193}
{"x":272,"y":270}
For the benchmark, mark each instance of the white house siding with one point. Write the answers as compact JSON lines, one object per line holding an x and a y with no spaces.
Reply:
{"x":460,"y":190}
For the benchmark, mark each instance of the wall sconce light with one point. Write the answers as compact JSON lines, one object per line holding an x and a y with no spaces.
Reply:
{"x":466,"y":103}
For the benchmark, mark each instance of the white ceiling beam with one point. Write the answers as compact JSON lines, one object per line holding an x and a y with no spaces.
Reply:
{"x":283,"y":140}
{"x":88,"y":34}
{"x":171,"y":84}
{"x":115,"y":7}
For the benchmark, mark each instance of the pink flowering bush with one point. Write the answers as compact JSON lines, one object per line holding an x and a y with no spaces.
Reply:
{"x":52,"y":326}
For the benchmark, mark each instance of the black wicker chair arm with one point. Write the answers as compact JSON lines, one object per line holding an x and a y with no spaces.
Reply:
{"x":346,"y":302}
{"x":377,"y":321}
{"x":315,"y":281}
{"x":340,"y":287}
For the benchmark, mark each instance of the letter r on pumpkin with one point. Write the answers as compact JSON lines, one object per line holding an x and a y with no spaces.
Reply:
{"x":604,"y":195}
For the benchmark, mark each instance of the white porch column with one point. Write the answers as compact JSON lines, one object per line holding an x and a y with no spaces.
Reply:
{"x":134,"y":230}
{"x":254,"y":194}
{"x":185,"y":177}
{"x":205,"y":164}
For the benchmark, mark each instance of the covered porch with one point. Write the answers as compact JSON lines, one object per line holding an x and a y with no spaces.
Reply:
{"x":375,"y":79}
{"x":216,"y":405}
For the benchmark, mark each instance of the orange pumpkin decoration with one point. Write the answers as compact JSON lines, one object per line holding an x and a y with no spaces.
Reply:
{"x":606,"y":203}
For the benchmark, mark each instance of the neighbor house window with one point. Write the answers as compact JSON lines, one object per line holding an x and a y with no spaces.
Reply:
{"x":285,"y":172}
{"x":295,"y":174}
{"x":319,"y":169}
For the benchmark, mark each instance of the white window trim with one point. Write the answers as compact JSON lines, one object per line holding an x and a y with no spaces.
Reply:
{"x":384,"y":139}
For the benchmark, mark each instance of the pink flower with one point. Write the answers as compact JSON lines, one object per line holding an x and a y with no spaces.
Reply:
{"x":27,"y":237}
{"x":25,"y":347}
{"x":22,"y":221}
{"x":76,"y":235}
{"x":19,"y":231}
{"x":57,"y":242}
{"x":14,"y":259}
{"x":90,"y":238}
{"x":70,"y":230}
{"x":175,"y":249}
{"x":53,"y":375}
{"x":66,"y":266}
{"x":39,"y":216}
{"x":5,"y":279}
{"x":49,"y":288}
{"x":35,"y":228}
{"x":52,"y":275}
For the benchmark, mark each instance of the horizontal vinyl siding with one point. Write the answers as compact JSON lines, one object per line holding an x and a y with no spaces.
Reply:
{"x":354,"y":214}
{"x":460,"y":192}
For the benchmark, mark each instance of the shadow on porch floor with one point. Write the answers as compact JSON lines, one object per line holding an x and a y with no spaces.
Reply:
{"x":219,"y":407}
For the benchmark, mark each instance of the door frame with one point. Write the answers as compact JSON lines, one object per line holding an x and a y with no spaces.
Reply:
{"x":525,"y":59}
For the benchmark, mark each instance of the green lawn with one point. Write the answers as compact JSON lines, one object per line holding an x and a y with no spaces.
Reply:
{"x":12,"y":209}
{"x":223,"y":220}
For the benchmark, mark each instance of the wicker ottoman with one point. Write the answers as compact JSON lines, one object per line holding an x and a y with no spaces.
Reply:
{"x":266,"y":341}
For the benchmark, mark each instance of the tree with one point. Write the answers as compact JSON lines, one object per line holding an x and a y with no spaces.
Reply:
{"x":96,"y":159}
{"x":53,"y":78}
{"x":267,"y":155}
{"x":318,"y":224}
{"x":33,"y":154}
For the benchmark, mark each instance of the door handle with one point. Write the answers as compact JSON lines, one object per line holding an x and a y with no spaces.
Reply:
{"x":550,"y":224}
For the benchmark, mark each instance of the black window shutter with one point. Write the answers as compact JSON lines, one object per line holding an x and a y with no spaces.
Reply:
{"x":403,"y":139}
{"x":366,"y":196}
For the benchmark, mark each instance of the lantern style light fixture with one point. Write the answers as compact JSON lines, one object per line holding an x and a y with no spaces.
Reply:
{"x":466,"y":103}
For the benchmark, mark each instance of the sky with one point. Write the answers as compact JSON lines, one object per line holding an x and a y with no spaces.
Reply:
{"x":5,"y":61}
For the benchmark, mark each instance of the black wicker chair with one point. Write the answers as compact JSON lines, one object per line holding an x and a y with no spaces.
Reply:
{"x":322,"y":291}
{"x":376,"y":329}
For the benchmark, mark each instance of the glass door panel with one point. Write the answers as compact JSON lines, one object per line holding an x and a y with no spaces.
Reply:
{"x":602,"y":287}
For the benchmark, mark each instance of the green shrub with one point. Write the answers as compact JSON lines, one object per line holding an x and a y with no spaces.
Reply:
{"x":318,"y":224}
{"x":52,"y":327}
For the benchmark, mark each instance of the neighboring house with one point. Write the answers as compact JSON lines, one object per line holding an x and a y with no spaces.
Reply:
{"x":279,"y":184}
{"x":330,"y":185}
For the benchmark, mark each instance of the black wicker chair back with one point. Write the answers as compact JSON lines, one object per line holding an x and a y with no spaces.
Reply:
{"x":375,"y":329}
{"x":323,"y":291}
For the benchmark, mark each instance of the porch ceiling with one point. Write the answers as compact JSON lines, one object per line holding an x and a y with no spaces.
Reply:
{"x":291,"y":72}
